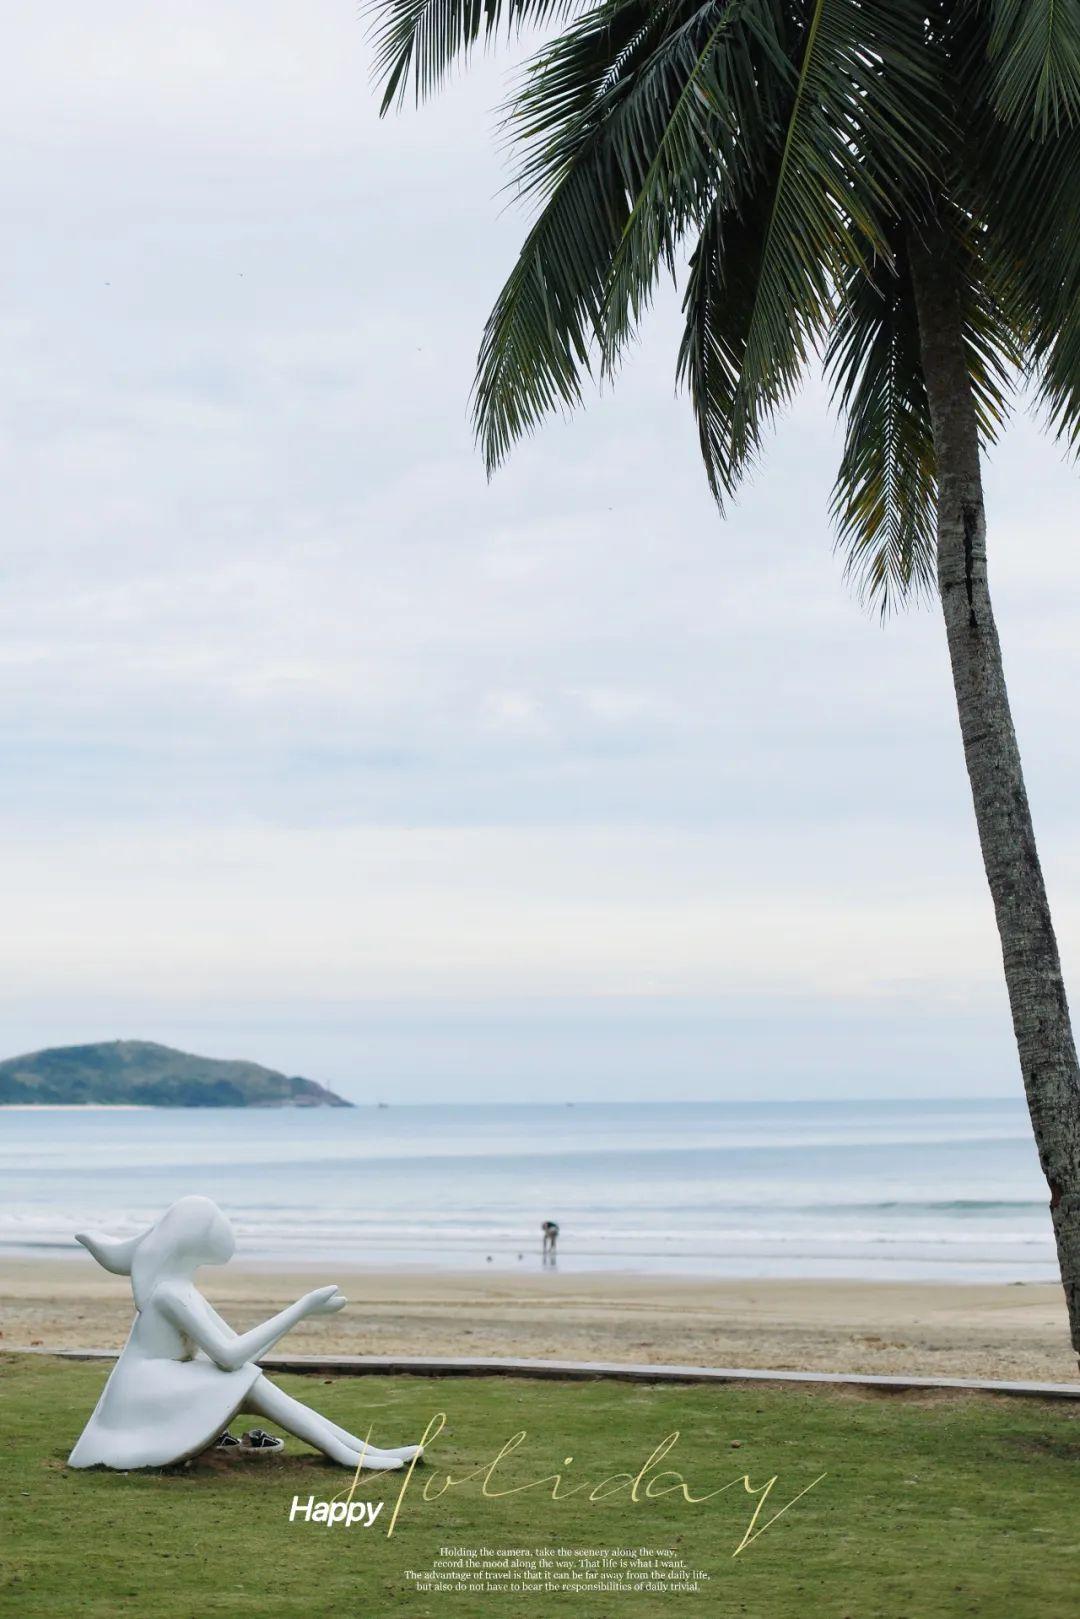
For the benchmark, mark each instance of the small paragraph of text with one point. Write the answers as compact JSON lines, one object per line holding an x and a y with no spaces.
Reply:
{"x":489,"y":1570}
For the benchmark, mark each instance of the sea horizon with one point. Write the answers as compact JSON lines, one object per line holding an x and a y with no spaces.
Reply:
{"x":907,"y":1189}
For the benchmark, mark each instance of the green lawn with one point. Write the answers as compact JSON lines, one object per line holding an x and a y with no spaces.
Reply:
{"x":930,"y":1506}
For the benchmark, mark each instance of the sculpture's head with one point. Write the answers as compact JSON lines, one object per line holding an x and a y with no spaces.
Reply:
{"x":191,"y":1233}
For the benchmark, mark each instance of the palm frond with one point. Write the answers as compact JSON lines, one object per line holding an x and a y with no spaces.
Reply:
{"x":1057,"y":371}
{"x":573,"y":87}
{"x":883,"y":503}
{"x":537,"y":341}
{"x":641,"y":121}
{"x":992,"y":344}
{"x":703,"y":122}
{"x":1013,"y":182}
{"x":863,"y":128}
{"x":1028,"y":194}
{"x":417,"y":41}
{"x":1034,"y":47}
{"x":717,"y":308}
{"x":578,"y":119}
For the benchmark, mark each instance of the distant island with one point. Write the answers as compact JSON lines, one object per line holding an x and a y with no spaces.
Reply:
{"x":138,"y":1073}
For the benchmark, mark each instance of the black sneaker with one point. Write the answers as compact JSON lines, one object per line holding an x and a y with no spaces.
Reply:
{"x":259,"y":1439}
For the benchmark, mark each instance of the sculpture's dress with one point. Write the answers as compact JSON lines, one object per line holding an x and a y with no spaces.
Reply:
{"x":165,"y":1400}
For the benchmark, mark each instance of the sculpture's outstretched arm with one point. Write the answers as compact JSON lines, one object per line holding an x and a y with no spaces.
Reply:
{"x":189,"y":1311}
{"x":229,"y":1332}
{"x":218,"y":1320}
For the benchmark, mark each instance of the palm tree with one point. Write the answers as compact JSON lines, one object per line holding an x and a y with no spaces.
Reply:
{"x":889,"y":186}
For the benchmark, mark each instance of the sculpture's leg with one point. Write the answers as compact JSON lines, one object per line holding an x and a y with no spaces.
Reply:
{"x":404,"y":1453}
{"x":264,"y":1400}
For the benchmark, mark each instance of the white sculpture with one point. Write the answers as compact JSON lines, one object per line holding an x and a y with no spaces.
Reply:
{"x":184,"y":1374}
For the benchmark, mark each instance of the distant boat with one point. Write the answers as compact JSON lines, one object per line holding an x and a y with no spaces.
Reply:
{"x":382,"y":1104}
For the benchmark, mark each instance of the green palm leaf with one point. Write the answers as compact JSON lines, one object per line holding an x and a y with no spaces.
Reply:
{"x":864,"y":90}
{"x":417,"y":41}
{"x":718,"y":308}
{"x":1034,"y":47}
{"x":1028,"y":194}
{"x":705,"y":117}
{"x":885,"y":493}
{"x":884,"y":497}
{"x":582,"y":118}
{"x":537,"y":341}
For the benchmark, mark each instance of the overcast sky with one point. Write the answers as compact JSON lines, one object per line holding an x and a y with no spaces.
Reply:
{"x":320,"y":750}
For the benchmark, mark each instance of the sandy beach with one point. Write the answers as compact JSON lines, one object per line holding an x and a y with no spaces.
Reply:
{"x":932,"y":1329}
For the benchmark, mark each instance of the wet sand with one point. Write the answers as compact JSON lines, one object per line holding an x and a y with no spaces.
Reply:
{"x":928,"y":1329}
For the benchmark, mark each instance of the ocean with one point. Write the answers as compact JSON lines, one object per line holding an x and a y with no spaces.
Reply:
{"x":947,"y":1190}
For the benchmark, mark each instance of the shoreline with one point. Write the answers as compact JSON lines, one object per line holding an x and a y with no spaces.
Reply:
{"x":973,"y":1329}
{"x":498,"y":1267}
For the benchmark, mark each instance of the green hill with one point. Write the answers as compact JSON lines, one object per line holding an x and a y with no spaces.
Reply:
{"x":137,"y":1071}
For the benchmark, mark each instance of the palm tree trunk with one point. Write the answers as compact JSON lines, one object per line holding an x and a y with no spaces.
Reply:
{"x":1040,"y":1011}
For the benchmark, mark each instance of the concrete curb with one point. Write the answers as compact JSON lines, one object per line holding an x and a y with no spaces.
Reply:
{"x":614,"y":1371}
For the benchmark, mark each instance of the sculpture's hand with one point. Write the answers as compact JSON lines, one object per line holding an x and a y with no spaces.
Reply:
{"x":324,"y":1301}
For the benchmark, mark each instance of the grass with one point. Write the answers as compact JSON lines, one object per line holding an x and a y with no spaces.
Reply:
{"x":931,"y":1505}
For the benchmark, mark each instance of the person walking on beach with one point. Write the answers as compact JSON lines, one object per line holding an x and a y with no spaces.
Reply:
{"x":551,"y":1236}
